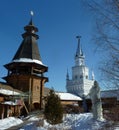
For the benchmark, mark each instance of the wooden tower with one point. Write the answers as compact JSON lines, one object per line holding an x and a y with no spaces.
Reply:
{"x":26,"y":70}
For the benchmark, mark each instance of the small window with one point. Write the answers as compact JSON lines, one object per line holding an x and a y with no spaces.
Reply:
{"x":81,"y":76}
{"x":37,"y":88}
{"x":75,"y":76}
{"x":86,"y":77}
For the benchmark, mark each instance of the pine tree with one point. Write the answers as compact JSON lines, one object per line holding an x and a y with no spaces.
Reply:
{"x":53,"y":109}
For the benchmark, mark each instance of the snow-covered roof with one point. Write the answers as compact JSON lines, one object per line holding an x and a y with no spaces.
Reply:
{"x":10,"y":103}
{"x":28,"y":60}
{"x":68,"y":96}
{"x":8,"y":92}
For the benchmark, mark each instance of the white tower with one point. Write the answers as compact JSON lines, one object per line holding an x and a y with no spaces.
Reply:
{"x":80,"y":84}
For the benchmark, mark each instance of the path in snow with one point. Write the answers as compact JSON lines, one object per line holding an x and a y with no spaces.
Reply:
{"x":86,"y":122}
{"x":9,"y":122}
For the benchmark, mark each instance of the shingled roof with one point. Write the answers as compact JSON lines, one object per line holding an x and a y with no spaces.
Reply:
{"x":29,"y":48}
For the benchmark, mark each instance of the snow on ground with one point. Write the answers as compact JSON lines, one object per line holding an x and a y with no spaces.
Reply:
{"x":9,"y":122}
{"x":70,"y":122}
{"x":86,"y":122}
{"x":77,"y":122}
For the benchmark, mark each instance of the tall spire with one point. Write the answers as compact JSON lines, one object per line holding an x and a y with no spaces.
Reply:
{"x":79,"y":50}
{"x":79,"y":57}
{"x":67,"y":76}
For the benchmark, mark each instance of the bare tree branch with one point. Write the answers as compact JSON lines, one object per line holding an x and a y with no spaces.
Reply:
{"x":106,"y":38}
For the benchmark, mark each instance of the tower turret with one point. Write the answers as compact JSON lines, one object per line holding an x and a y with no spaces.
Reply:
{"x":80,"y":83}
{"x":26,"y":70}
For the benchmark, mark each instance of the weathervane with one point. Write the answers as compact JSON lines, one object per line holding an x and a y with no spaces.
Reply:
{"x":31,"y":12}
{"x":78,"y":37}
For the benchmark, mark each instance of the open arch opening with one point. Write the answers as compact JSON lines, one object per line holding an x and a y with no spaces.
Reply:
{"x":36,"y":105}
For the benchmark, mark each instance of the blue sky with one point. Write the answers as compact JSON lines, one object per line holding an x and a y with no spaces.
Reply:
{"x":59,"y":22}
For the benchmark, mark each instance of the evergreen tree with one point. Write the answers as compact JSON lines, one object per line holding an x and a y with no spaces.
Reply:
{"x":53,"y":109}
